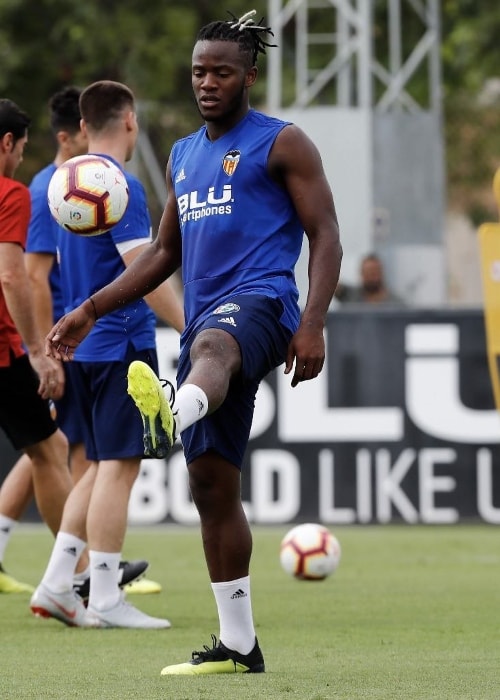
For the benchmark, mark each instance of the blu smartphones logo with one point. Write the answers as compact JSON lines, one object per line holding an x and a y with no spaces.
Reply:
{"x":195,"y":205}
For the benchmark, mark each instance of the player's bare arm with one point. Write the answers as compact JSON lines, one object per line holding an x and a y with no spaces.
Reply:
{"x":296,"y":163}
{"x":163,"y":300}
{"x":39,"y":267}
{"x":19,"y":300}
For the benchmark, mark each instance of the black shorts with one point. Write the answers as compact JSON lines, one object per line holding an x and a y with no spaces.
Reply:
{"x":24,"y":415}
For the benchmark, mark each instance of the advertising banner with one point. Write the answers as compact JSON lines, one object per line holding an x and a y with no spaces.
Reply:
{"x":400,"y":426}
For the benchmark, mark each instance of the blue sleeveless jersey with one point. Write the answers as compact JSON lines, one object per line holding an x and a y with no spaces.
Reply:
{"x":240,"y":231}
{"x":90,"y":263}
{"x":42,"y":233}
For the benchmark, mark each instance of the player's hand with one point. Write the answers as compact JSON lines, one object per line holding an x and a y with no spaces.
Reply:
{"x":68,"y":333}
{"x":307,"y":350}
{"x":50,"y":374}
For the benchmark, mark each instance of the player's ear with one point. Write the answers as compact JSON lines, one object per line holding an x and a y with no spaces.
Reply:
{"x":251,"y":76}
{"x":7,"y":142}
{"x":131,"y":120}
{"x":62,"y":137}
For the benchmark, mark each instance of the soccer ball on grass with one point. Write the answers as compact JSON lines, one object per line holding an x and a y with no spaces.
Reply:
{"x":310,"y":552}
{"x":88,"y":195}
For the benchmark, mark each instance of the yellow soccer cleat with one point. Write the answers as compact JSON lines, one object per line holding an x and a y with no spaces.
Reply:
{"x":218,"y":659}
{"x":158,"y":420}
{"x":8,"y":584}
{"x":143,"y":586}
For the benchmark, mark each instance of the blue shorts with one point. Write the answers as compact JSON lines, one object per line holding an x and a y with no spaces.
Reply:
{"x":254,"y":321}
{"x":68,"y":414}
{"x":111,"y":423}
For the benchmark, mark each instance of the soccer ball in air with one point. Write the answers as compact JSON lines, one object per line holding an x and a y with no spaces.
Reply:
{"x":88,"y":195}
{"x":309,"y":552}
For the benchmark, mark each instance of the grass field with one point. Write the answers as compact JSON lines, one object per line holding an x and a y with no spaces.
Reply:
{"x":412,"y":612}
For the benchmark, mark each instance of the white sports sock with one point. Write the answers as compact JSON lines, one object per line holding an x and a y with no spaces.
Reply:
{"x":7,"y":525}
{"x":234,"y":605}
{"x":58,"y":576}
{"x":191,"y":404}
{"x":104,"y":590}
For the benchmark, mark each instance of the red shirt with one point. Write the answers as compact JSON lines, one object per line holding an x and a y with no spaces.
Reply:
{"x":15,"y":212}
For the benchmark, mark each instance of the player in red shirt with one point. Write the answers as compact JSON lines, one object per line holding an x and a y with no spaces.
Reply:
{"x":28,"y":378}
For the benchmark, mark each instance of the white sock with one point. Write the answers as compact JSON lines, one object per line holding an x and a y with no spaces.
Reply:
{"x":234,"y":606}
{"x":7,"y":525}
{"x":191,"y":404}
{"x":60,"y":570}
{"x":104,"y":590}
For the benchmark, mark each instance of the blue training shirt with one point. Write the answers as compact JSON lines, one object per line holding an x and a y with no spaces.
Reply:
{"x":90,"y":263}
{"x":43,"y":232}
{"x":240,"y":231}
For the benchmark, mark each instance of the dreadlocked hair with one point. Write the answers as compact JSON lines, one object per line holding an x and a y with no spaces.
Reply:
{"x":243,"y":31}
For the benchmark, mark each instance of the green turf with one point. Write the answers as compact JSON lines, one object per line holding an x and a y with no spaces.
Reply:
{"x":411,"y":613}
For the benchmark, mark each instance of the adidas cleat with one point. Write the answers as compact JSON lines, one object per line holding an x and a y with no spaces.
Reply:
{"x":143,"y":586}
{"x":125,"y":615}
{"x":129,"y":572}
{"x":66,"y":607}
{"x":218,"y":659}
{"x":158,"y":420}
{"x":8,"y":584}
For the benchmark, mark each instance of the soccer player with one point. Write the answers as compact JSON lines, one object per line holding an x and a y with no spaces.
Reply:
{"x":111,"y":426}
{"x":241,"y":193}
{"x":27,"y":380}
{"x":43,"y":270}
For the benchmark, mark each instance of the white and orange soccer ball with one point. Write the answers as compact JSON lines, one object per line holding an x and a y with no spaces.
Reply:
{"x":88,"y":195}
{"x":310,"y":552}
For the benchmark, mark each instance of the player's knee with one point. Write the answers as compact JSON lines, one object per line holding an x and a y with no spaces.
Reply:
{"x":210,"y":493}
{"x":217,"y":346}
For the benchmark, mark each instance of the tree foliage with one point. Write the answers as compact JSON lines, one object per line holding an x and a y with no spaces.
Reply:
{"x":45,"y":44}
{"x":470,"y":48}
{"x":471,"y":62}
